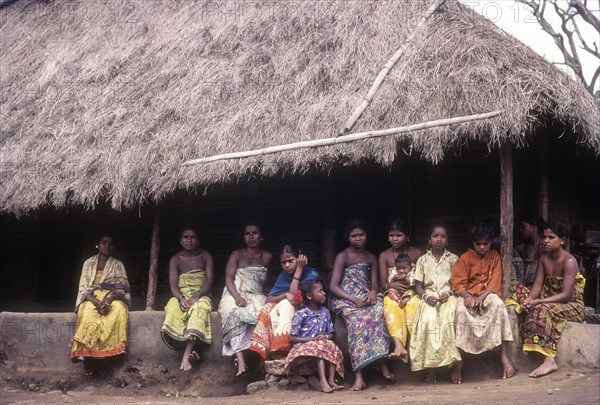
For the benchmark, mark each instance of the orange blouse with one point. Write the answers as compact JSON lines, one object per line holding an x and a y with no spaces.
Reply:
{"x":475,"y":275}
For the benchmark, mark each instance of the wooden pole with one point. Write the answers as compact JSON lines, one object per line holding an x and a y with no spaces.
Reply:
{"x":506,"y":214}
{"x":344,"y":139}
{"x":358,"y":111}
{"x":152,"y":272}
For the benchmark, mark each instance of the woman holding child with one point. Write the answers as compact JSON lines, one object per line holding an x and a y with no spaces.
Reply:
{"x":354,"y":283}
{"x":271,"y":337}
{"x":400,"y":302}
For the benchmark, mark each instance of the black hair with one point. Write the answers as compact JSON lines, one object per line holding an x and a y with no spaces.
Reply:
{"x":188,"y":228}
{"x":103,"y":235}
{"x":355,"y":223}
{"x":438,"y":225}
{"x":289,"y":250}
{"x":530,"y":218}
{"x":402,"y":258}
{"x":482,"y":230}
{"x":307,"y":287}
{"x":397,"y":224}
{"x":251,"y":224}
{"x":557,"y":225}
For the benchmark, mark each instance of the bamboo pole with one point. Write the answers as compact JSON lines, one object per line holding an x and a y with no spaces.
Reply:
{"x":544,"y":178}
{"x":387,"y":67}
{"x":506,"y":214}
{"x":345,"y":139}
{"x":152,"y":272}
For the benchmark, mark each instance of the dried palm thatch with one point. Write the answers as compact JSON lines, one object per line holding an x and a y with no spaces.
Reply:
{"x":106,"y":100}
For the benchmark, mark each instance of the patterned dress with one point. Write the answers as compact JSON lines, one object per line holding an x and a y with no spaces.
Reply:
{"x":368,"y":339}
{"x":400,"y":321}
{"x":307,"y":324}
{"x":545,"y":322}
{"x":433,"y":339}
{"x":237,"y":323}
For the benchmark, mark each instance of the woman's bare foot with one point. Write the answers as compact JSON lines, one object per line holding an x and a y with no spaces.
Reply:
{"x":456,"y":373}
{"x":399,"y":352}
{"x":359,"y":383}
{"x":240,"y":364}
{"x":335,"y":385}
{"x":88,"y":370}
{"x":508,"y":370}
{"x":385,"y":371}
{"x":430,"y":378}
{"x":548,"y":366}
{"x":185,"y":364}
{"x":325,"y":386}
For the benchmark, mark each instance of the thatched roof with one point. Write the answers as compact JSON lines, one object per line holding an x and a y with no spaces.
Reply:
{"x":105,"y":100}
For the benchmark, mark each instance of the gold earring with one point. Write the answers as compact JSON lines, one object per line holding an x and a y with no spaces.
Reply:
{"x":96,"y":246}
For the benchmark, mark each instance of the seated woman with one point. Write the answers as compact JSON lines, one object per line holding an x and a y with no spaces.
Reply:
{"x":187,"y":314}
{"x":354,"y":285}
{"x":482,"y":321}
{"x":271,"y":337}
{"x":432,"y":341}
{"x":243,"y":297}
{"x":102,"y":308}
{"x":399,"y":319}
{"x":555,"y":298}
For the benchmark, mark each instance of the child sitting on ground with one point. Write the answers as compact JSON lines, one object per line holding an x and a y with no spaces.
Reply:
{"x":312,"y":336}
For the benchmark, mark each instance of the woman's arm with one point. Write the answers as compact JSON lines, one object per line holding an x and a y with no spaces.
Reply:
{"x":336,"y":279}
{"x":371,"y":298}
{"x":301,"y":262}
{"x":569,"y":272}
{"x":538,"y":282}
{"x":230,"y":271}
{"x":298,"y":339}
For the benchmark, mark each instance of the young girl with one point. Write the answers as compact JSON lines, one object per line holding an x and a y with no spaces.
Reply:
{"x":312,"y":336}
{"x":399,"y":319}
{"x":432,"y":341}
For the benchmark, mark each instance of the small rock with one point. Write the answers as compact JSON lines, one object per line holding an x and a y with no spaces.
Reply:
{"x":314,"y":382}
{"x":550,"y":392}
{"x":275,"y":367}
{"x":257,"y":386}
{"x":284,"y":381}
{"x":273,"y":379}
{"x":297,"y":379}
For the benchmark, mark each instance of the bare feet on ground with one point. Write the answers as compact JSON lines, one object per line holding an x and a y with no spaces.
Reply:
{"x":508,"y":370}
{"x":430,"y":378}
{"x":185,"y":364}
{"x":359,"y":383}
{"x":325,"y":386}
{"x":548,"y":366}
{"x":334,"y":385}
{"x":456,"y":373}
{"x":399,"y":353}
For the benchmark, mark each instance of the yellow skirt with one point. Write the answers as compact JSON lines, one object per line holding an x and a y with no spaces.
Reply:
{"x":399,"y":321}
{"x":97,"y":335}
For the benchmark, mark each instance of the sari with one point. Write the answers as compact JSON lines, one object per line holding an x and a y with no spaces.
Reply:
{"x":101,"y":335}
{"x":194,"y":324}
{"x":399,"y":321}
{"x":272,"y":331}
{"x":237,"y":323}
{"x":433,"y":339}
{"x":545,"y":322}
{"x":368,"y":340}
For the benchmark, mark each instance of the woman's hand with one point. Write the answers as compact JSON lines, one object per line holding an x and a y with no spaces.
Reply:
{"x":289,"y":297}
{"x":240,"y":301}
{"x":301,"y":261}
{"x":183,"y":304}
{"x":371,"y":298}
{"x":429,"y":299}
{"x":472,"y":302}
{"x":529,"y":303}
{"x":400,"y":285}
{"x":444,"y":297}
{"x":358,"y":302}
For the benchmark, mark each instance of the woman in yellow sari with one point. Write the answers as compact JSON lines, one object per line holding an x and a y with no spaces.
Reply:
{"x":187,"y":314}
{"x":102,"y":308}
{"x":399,"y":319}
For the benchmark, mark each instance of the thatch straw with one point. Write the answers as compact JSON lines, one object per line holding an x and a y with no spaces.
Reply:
{"x":105,"y":100}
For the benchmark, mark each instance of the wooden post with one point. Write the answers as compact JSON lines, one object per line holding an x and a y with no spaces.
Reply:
{"x":506,"y":214}
{"x":152,"y":272}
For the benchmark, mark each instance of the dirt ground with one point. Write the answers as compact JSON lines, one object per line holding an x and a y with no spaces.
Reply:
{"x":566,"y":386}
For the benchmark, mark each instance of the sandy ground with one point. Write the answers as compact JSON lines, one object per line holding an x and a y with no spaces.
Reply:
{"x":566,"y":386}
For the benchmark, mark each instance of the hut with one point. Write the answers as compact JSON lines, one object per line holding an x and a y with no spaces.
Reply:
{"x":103,"y":103}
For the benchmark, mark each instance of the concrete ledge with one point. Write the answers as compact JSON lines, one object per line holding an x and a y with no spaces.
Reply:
{"x":40,"y":342}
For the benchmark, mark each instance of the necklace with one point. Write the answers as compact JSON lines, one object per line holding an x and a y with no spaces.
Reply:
{"x":255,"y":258}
